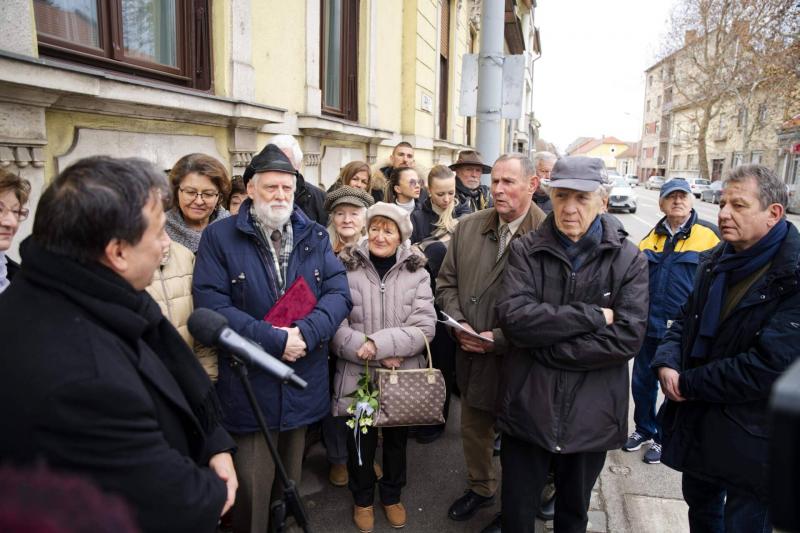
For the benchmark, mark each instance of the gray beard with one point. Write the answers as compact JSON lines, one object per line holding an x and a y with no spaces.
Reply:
{"x":270,"y":218}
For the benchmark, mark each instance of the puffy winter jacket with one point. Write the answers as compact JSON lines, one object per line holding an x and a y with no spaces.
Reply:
{"x":172,"y":290}
{"x":394,"y":312}
{"x":564,"y":382}
{"x":234,"y":276}
{"x":673,"y":263}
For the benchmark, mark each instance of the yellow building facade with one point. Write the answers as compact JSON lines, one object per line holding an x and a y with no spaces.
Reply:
{"x":158,"y":80}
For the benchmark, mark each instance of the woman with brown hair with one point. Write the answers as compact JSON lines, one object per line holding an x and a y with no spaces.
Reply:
{"x":14,"y":192}
{"x":354,"y":174}
{"x":200,"y":188}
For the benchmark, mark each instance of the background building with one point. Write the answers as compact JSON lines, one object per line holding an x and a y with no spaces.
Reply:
{"x":350,"y":79}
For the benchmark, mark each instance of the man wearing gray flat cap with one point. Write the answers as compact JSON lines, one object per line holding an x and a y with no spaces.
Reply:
{"x":573,"y":307}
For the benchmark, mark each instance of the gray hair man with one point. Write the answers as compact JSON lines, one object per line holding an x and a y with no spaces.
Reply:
{"x":573,"y":306}
{"x":736,"y":334}
{"x":466,"y":290}
{"x":543,"y":162}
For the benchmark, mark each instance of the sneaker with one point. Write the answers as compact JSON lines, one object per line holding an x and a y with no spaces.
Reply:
{"x":635,"y":442}
{"x":653,"y":455}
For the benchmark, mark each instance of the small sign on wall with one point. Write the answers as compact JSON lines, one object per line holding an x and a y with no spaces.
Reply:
{"x":426,"y":102}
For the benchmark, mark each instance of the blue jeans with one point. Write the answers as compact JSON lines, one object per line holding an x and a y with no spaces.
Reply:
{"x":713,"y":509}
{"x":644,"y":387}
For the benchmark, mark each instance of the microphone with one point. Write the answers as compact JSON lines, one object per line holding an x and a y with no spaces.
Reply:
{"x":211,"y":329}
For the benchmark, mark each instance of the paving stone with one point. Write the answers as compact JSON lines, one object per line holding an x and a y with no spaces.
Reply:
{"x":597,"y":522}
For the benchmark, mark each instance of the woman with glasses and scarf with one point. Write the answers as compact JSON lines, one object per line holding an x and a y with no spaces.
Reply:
{"x":14,"y":192}
{"x":200,"y":188}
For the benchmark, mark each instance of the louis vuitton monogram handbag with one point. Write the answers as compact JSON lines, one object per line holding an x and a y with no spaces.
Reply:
{"x":410,"y":397}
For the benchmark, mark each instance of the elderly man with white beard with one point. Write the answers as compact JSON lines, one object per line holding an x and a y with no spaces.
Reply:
{"x":245,"y":264}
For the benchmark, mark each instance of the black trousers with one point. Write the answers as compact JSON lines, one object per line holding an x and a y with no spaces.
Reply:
{"x":362,"y":477}
{"x":525,"y":469}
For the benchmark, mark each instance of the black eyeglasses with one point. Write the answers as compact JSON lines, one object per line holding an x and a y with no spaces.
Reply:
{"x":20,"y":214}
{"x":204,"y":195}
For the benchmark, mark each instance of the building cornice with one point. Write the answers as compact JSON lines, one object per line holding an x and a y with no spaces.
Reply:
{"x":57,"y":85}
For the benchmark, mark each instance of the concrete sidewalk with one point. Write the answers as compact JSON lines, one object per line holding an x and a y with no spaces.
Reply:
{"x":630,"y":496}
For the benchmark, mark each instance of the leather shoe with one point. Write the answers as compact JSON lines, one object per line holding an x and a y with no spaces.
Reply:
{"x":495,"y":526}
{"x":547,"y":509}
{"x":466,"y":506}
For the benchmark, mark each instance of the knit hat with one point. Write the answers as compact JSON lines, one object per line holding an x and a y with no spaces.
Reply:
{"x":579,"y":173}
{"x":393,"y":212}
{"x":675,"y":184}
{"x":271,"y":158}
{"x":348,"y":195}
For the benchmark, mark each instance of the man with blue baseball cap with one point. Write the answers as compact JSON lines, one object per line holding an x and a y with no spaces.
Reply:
{"x":673,"y":249}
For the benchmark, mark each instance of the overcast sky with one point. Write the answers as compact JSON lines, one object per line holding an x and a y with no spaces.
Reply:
{"x":590,"y":79}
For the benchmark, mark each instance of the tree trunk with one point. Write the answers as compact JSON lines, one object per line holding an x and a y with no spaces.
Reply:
{"x":702,"y":152}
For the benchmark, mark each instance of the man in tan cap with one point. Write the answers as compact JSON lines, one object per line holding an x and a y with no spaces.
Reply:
{"x":468,"y":168}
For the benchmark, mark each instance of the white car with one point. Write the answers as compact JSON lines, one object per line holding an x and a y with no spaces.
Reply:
{"x":697,"y":185}
{"x":622,"y":197}
{"x":633,"y":179}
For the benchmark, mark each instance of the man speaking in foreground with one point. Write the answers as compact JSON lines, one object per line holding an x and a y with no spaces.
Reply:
{"x":94,"y":380}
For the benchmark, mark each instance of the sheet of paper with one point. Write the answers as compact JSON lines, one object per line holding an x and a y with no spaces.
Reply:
{"x":449,"y":321}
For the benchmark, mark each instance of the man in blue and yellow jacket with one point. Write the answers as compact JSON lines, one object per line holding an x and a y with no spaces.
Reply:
{"x":673,"y":249}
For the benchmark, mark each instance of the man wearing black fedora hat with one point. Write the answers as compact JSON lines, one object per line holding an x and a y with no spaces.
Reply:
{"x":468,"y":168}
{"x":243,"y":267}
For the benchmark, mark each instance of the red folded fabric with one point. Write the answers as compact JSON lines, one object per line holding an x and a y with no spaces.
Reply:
{"x":296,"y":303}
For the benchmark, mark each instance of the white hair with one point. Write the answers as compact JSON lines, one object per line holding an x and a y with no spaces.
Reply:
{"x":287,"y":142}
{"x":543,"y":156}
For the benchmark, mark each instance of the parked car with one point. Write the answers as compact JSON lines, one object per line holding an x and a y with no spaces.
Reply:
{"x":712,"y":193}
{"x":654,"y":183}
{"x":697,"y":185}
{"x":633,"y":179}
{"x":622,"y":197}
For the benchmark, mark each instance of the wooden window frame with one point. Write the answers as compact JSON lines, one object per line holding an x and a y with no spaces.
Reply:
{"x":348,"y":69}
{"x":193,"y":46}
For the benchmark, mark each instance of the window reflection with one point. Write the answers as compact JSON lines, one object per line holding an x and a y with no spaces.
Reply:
{"x":70,"y":20}
{"x":148,"y":31}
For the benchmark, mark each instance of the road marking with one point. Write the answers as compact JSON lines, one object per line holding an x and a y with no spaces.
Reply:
{"x":643,"y":221}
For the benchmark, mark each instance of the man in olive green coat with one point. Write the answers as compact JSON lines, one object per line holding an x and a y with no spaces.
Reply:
{"x":468,"y":281}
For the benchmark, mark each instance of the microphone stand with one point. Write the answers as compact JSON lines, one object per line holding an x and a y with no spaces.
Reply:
{"x":290,"y":504}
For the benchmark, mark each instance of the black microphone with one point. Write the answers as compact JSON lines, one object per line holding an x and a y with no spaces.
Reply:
{"x":211,"y":329}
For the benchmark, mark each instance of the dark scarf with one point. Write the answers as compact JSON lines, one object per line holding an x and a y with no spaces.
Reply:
{"x":578,"y":252}
{"x":732,"y":268}
{"x":472,"y":194}
{"x":130,"y":314}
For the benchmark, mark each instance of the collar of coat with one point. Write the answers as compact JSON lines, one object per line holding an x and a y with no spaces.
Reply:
{"x":546,"y":239}
{"x":530,"y":223}
{"x":683,"y":232}
{"x":356,"y":256}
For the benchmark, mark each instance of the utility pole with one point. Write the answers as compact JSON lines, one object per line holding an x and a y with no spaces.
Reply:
{"x":490,"y":82}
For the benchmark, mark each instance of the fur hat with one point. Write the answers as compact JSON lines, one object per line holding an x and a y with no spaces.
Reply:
{"x":394,"y":213}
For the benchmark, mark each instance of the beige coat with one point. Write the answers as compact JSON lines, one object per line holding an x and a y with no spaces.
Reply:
{"x":466,"y":289}
{"x":172,"y":290}
{"x":390,"y":313}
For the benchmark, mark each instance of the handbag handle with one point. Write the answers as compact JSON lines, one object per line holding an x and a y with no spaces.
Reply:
{"x":427,"y":347}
